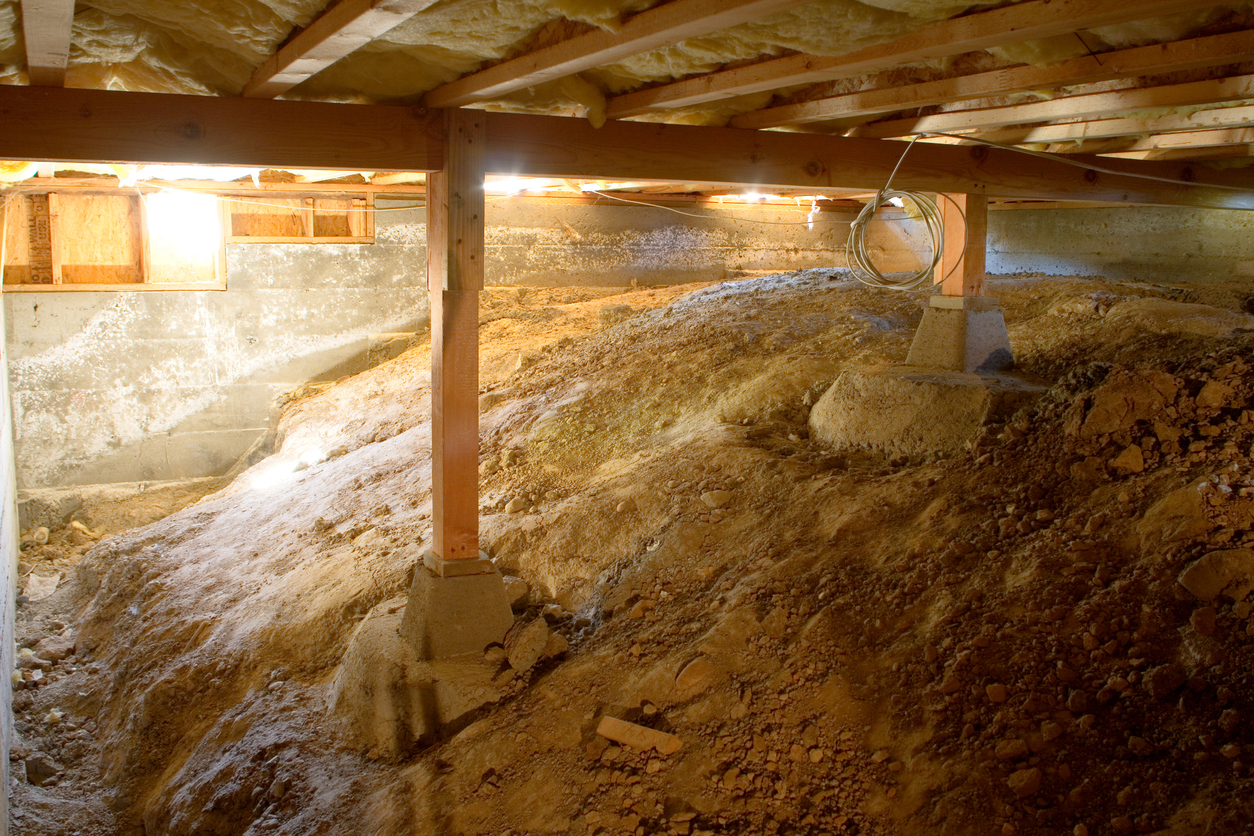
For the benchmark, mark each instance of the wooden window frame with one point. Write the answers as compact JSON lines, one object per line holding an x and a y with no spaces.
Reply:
{"x":359,"y":217}
{"x":57,"y":285}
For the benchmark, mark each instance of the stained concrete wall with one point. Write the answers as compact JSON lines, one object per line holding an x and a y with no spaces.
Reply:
{"x":156,"y":386}
{"x":1148,"y":244}
{"x":9,"y":550}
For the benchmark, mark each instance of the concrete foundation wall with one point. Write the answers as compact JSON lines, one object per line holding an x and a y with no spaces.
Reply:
{"x":1149,"y":244}
{"x":157,"y":386}
{"x":9,"y":551}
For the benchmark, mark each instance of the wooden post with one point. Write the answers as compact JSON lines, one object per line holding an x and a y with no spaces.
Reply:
{"x":961,"y":273}
{"x":455,"y":210}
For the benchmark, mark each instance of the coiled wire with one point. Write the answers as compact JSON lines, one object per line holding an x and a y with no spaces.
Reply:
{"x":857,"y":251}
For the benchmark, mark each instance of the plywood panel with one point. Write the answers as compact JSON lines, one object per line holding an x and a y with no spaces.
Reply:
{"x":17,"y":241}
{"x":267,"y":218}
{"x":100,"y":239}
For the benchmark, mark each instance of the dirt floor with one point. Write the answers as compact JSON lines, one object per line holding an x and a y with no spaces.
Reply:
{"x":1050,"y":633}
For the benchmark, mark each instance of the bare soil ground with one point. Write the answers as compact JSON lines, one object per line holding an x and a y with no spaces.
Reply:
{"x":997,"y":643}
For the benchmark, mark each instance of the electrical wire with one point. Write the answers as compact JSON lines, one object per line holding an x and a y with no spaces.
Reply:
{"x":858,"y":251}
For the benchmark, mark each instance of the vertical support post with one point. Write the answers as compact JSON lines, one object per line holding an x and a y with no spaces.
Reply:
{"x":963,"y":267}
{"x":455,"y":223}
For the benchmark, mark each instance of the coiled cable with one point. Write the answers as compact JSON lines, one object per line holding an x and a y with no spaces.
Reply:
{"x":857,"y":250}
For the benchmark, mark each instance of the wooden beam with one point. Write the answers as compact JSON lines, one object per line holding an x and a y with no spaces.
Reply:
{"x":1220,"y":117}
{"x":94,"y":126}
{"x":961,"y":269}
{"x":46,"y":28}
{"x":70,"y":125}
{"x":455,"y":224}
{"x":999,"y":27}
{"x":1235,"y":88}
{"x":668,"y":23}
{"x":342,"y":29}
{"x":1192,"y":54}
{"x":546,"y":146}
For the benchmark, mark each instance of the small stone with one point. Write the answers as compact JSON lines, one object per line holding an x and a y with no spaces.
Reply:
{"x":39,"y":587}
{"x":1228,"y":571}
{"x":1025,"y":782}
{"x":716,"y":499}
{"x":555,"y":646}
{"x":40,"y":768}
{"x":517,"y":591}
{"x":1231,"y":750}
{"x":1080,"y":830}
{"x":1163,"y":680}
{"x":525,"y":643}
{"x":1122,"y":825}
{"x":278,"y":789}
{"x":696,"y":675}
{"x":1011,"y":749}
{"x":1230,"y":720}
{"x":516,"y":505}
{"x":950,"y":684}
{"x":816,"y":755}
{"x":996,"y":692}
{"x":1051,"y":730}
{"x":1131,"y":460}
{"x":627,"y":506}
{"x":1139,"y":746}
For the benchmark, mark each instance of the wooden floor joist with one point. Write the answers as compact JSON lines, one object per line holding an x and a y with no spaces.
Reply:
{"x":1236,"y":88}
{"x":46,"y":29}
{"x":1220,"y":117}
{"x":665,"y":24}
{"x":1160,"y":58}
{"x":1000,"y":27}
{"x":342,"y":29}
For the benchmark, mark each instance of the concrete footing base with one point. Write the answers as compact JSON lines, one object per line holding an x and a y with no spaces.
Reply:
{"x":962,"y":334}
{"x":911,"y":411}
{"x":416,"y":667}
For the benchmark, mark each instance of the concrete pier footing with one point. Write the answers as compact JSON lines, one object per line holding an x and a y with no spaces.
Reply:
{"x":962,"y":334}
{"x":416,"y":666}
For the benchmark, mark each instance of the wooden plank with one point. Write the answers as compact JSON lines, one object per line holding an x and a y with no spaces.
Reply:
{"x":1181,"y":140}
{"x":455,"y":240}
{"x":961,"y":269}
{"x":1158,"y":58}
{"x":46,"y":28}
{"x":545,"y":146}
{"x":668,"y":23}
{"x":307,"y":217}
{"x":1212,"y":91}
{"x":342,"y":29}
{"x":72,"y":125}
{"x":1222,"y":117}
{"x":40,"y":249}
{"x":1008,"y":25}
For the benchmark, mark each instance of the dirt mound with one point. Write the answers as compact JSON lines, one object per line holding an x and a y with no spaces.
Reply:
{"x":994,"y":643}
